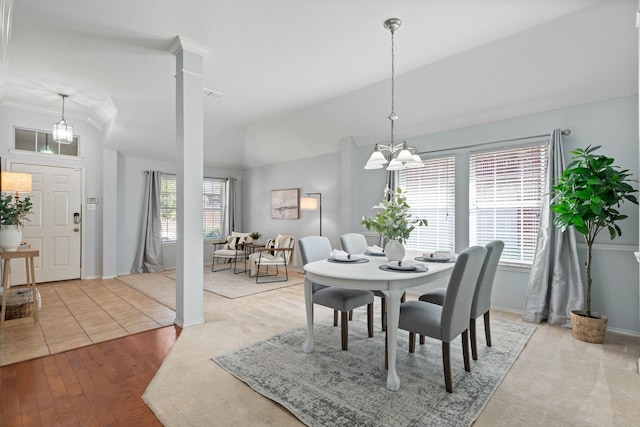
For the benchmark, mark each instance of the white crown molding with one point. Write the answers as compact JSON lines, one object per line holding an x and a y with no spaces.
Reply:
{"x":180,"y":43}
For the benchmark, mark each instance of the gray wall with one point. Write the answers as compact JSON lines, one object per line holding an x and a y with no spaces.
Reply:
{"x":130,"y":192}
{"x":349,"y":192}
{"x":312,"y":175}
{"x":612,"y":124}
{"x":90,"y":160}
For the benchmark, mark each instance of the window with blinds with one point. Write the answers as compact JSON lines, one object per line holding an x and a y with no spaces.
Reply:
{"x":213,"y":207}
{"x":168,"y":206}
{"x":505,"y":197}
{"x":430,"y":193}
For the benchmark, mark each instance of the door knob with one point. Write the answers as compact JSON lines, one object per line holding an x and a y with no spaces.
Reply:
{"x":76,"y":229}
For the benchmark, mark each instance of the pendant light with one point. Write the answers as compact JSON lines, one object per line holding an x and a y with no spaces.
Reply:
{"x":62,"y":132}
{"x":398,"y":156}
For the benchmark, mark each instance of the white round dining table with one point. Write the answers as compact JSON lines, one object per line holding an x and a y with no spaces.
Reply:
{"x":369,"y":276}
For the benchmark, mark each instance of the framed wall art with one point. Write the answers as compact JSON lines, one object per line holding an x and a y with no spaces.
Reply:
{"x":284,"y":203}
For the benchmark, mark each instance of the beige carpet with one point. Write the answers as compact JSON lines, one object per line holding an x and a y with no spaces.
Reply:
{"x":556,"y":381}
{"x":155,"y":285}
{"x":231,"y":285}
{"x":162,"y":286}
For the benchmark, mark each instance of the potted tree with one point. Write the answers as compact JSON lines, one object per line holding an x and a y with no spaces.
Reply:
{"x":13,"y":214}
{"x":587,"y":196}
{"x":393,"y":222}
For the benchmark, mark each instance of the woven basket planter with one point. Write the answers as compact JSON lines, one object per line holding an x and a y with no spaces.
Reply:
{"x":588,"y":329}
{"x":19,"y":304}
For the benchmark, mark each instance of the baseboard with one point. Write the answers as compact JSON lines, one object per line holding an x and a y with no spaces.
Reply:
{"x":609,"y":329}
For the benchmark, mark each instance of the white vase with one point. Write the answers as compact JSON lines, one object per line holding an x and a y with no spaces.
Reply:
{"x":394,"y":250}
{"x":10,"y":237}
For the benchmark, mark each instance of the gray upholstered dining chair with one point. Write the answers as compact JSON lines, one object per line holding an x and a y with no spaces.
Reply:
{"x":356,"y":243}
{"x":481,"y":298}
{"x":445,"y":322}
{"x":315,"y":248}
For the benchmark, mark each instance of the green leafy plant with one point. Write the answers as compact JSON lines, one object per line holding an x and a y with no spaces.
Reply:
{"x":255,"y":235}
{"x":14,"y":212}
{"x":393,"y":221}
{"x":587,"y":196}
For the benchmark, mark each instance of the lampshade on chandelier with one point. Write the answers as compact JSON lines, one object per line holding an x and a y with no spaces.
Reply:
{"x":62,"y":132}
{"x":398,"y":156}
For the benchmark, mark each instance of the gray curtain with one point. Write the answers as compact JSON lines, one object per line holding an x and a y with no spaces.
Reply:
{"x":555,"y":285}
{"x":149,"y":256}
{"x":230,"y":211}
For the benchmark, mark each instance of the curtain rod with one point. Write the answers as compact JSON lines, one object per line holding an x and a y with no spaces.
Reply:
{"x":565,"y":132}
{"x":210,"y":177}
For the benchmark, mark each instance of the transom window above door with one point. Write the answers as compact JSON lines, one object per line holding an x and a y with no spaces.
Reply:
{"x":42,"y":142}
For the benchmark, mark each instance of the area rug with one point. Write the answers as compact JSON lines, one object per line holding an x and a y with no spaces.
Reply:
{"x":230,"y":285}
{"x":330,"y":387}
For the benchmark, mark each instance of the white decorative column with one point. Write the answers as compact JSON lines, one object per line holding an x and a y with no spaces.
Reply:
{"x":189,"y":173}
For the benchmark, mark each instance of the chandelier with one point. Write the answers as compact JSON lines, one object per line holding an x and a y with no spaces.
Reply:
{"x":397,"y":156}
{"x":62,"y":132}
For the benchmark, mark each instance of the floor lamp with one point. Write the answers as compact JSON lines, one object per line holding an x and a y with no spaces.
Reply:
{"x":309,"y":203}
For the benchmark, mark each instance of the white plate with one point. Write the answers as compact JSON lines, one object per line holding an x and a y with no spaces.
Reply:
{"x":440,"y":256}
{"x":404,"y":265}
{"x":374,"y":253}
{"x":352,"y":259}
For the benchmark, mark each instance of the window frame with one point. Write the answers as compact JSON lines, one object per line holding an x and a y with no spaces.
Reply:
{"x":422,"y":237}
{"x":520,"y":246}
{"x":61,"y":150}
{"x":167,"y":208}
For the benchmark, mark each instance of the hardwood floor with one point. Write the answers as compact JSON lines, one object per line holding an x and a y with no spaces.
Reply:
{"x":97,"y":385}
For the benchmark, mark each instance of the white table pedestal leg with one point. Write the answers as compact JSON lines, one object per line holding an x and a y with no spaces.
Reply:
{"x":393,"y":315}
{"x":307,"y":347}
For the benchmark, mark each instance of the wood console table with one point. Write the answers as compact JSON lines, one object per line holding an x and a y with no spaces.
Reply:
{"x":28,"y":255}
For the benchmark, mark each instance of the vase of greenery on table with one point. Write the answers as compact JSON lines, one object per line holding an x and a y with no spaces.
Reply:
{"x":13,"y":214}
{"x":393,"y":222}
{"x":587,"y":196}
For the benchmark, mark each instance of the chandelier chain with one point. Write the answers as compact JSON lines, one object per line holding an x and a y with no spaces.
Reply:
{"x":393,"y":116}
{"x":399,"y":156}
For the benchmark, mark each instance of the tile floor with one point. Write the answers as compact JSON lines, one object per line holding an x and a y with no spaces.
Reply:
{"x":77,"y":313}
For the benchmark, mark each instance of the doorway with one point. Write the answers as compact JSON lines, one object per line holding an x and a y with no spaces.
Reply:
{"x":55,"y":226}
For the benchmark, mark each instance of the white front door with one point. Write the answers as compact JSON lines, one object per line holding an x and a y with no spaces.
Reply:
{"x":54,"y":228}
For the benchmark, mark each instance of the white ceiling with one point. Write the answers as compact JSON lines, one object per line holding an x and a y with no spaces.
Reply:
{"x":298,"y":75}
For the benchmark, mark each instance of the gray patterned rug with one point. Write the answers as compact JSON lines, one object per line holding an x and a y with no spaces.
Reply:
{"x":331,"y":387}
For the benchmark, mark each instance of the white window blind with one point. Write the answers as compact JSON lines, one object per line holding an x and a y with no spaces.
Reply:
{"x":213,"y":207}
{"x":505,"y":195}
{"x":430,"y":193}
{"x":168,"y":208}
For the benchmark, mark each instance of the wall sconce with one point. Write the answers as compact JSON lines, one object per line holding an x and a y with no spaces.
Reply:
{"x":15,"y":182}
{"x":309,"y":203}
